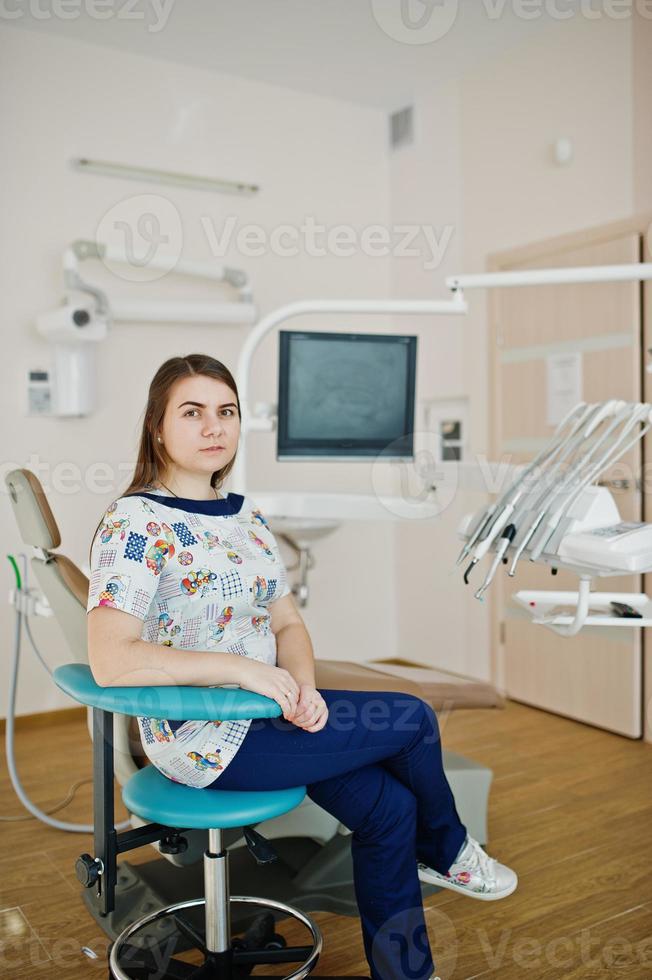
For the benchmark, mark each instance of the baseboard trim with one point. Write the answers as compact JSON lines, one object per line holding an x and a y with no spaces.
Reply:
{"x":44,"y":719}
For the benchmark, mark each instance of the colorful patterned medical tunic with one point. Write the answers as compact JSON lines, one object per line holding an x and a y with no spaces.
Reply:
{"x":200,"y":574}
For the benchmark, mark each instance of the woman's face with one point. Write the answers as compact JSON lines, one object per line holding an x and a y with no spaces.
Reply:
{"x":201,"y":412}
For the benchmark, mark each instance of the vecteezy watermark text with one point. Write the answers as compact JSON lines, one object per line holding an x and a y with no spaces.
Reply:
{"x":318,"y":240}
{"x":148,"y":230}
{"x":154,"y":12}
{"x":426,"y":21}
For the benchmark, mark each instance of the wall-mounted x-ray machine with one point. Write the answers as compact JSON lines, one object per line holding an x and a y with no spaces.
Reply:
{"x":75,"y":328}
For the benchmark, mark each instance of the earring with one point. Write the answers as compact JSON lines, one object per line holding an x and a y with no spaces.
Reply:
{"x":159,"y":438}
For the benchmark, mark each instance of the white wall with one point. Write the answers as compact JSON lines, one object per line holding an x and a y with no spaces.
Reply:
{"x":642,"y":117}
{"x":427,"y":189}
{"x":483,"y":163}
{"x":311,"y":156}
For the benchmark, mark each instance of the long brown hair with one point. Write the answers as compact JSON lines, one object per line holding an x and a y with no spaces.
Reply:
{"x":152,"y":456}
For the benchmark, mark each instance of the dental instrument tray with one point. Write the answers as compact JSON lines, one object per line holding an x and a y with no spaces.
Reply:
{"x":622,"y":547}
{"x":550,"y":608}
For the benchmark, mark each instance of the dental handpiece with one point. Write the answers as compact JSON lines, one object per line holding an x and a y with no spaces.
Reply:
{"x":611,"y":455}
{"x":583,"y":428}
{"x":510,"y":498}
{"x":506,"y":539}
{"x":574,"y":438}
{"x":591,"y":463}
{"x":588,"y":425}
{"x":484,"y":545}
{"x":481,"y":524}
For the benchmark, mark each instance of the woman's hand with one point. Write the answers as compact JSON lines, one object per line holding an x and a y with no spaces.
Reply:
{"x":312,"y":711}
{"x":274,"y":682}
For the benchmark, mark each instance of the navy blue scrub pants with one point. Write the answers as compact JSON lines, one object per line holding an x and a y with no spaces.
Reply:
{"x":377,"y":767}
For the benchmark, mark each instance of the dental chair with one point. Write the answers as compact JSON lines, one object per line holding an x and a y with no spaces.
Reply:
{"x":308,"y":868}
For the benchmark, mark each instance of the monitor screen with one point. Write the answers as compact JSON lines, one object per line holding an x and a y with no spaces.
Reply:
{"x":346,"y":395}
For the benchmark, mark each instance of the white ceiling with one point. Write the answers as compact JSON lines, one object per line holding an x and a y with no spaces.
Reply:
{"x":335,"y":48}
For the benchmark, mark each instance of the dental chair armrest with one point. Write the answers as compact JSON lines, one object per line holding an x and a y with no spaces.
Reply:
{"x":175,"y":703}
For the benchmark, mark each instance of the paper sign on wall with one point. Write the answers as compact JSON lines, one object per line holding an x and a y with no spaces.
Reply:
{"x":563,"y":384}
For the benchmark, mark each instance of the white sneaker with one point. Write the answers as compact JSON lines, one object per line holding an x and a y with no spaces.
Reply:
{"x":473,"y":873}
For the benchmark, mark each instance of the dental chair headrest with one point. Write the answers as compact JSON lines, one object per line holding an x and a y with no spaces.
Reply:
{"x":33,"y":515}
{"x":39,"y":529}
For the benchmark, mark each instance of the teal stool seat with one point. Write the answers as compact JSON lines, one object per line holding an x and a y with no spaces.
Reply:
{"x":153,"y":796}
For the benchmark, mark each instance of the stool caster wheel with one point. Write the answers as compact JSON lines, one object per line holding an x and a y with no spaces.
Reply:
{"x":260,"y":935}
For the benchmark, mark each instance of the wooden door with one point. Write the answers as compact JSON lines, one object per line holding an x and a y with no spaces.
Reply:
{"x":595,"y":677}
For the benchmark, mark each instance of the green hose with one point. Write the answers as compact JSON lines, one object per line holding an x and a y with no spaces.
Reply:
{"x":19,"y":582}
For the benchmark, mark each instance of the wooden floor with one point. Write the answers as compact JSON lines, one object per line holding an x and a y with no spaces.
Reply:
{"x":570,"y":811}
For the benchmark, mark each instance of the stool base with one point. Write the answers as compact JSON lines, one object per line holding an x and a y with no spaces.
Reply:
{"x":231,"y":964}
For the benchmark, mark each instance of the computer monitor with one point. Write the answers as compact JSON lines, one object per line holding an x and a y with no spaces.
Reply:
{"x":345,"y":395}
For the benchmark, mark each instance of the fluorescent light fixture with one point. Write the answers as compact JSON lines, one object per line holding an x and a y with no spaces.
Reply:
{"x":128,"y":172}
{"x":182,"y":311}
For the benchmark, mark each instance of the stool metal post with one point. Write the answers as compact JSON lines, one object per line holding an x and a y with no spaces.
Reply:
{"x":216,"y":892}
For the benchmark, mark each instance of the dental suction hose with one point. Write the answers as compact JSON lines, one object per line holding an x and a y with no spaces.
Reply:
{"x":9,"y":731}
